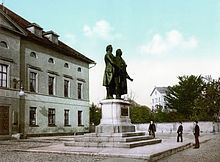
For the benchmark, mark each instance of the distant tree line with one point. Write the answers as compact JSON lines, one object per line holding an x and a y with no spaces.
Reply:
{"x":193,"y":98}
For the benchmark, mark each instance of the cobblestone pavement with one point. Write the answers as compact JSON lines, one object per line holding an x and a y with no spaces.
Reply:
{"x":208,"y":152}
{"x":8,"y":155}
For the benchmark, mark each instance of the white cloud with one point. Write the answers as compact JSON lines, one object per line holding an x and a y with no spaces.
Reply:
{"x":162,"y":44}
{"x":87,"y":30}
{"x":70,"y":39}
{"x":147,"y":74}
{"x":101,"y":29}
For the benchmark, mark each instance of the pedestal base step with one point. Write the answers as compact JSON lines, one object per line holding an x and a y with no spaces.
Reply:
{"x":111,"y":139}
{"x":114,"y":144}
{"x":123,"y":140}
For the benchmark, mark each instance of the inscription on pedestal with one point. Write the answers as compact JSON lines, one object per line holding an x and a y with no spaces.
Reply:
{"x":124,"y":111}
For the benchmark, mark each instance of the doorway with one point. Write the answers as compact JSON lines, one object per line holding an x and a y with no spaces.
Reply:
{"x":4,"y":120}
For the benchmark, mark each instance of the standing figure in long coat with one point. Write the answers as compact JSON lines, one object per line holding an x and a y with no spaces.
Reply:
{"x":180,"y":132}
{"x":196,"y":134}
{"x":152,"y":129}
{"x":108,"y":79}
{"x":121,"y":75}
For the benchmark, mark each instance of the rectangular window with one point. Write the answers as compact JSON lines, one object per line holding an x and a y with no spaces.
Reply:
{"x":51,"y":85}
{"x":66,"y":88}
{"x":3,"y":75}
{"x":79,"y":117}
{"x":66,"y":117}
{"x":79,"y":90}
{"x":32,"y":116}
{"x":33,"y":81}
{"x":51,"y":116}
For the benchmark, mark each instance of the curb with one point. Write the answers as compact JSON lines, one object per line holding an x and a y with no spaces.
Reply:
{"x":163,"y":154}
{"x":98,"y":154}
{"x":169,"y":152}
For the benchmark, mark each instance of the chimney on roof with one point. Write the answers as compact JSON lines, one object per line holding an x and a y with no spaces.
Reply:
{"x":52,"y":36}
{"x":35,"y":29}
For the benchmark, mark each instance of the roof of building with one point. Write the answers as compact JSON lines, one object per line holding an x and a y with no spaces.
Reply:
{"x":160,"y":89}
{"x":60,"y":47}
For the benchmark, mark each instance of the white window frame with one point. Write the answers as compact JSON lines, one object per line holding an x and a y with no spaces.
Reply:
{"x":54,"y":82}
{"x":68,"y":87}
{"x":82,"y":90}
{"x":36,"y":115}
{"x":81,"y":117}
{"x":8,"y":73}
{"x":68,"y":117}
{"x":33,"y":71}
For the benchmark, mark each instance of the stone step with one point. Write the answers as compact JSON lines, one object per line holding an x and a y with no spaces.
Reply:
{"x":111,"y":139}
{"x":131,"y":134}
{"x":137,"y":138}
{"x":113,"y":144}
{"x":143,"y":143}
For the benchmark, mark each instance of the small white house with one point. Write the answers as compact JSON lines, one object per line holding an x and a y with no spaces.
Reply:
{"x":157,"y":97}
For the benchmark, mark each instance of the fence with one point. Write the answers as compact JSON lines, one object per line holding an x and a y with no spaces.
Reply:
{"x":205,"y":127}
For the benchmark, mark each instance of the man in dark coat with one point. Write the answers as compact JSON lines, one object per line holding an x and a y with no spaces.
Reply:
{"x":152,"y":129}
{"x":196,"y":134}
{"x":180,"y":132}
{"x":108,"y":79}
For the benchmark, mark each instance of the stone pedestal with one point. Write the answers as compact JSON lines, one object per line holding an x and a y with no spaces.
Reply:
{"x":115,"y":117}
{"x":115,"y":129}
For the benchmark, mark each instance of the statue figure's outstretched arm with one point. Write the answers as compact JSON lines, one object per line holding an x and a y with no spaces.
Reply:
{"x":127,"y":76}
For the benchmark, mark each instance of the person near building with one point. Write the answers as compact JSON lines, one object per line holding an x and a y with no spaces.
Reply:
{"x":196,"y":134}
{"x":152,"y":129}
{"x":180,"y":132}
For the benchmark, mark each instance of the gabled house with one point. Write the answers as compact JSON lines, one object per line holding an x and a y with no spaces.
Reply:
{"x":44,"y":84}
{"x":157,"y":97}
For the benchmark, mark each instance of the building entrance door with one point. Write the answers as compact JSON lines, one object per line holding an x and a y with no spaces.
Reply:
{"x":4,"y":120}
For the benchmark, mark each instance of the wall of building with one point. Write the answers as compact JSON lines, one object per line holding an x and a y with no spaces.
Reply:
{"x":20,"y":63}
{"x":43,"y":54}
{"x":43,"y":101}
{"x":11,"y":55}
{"x":205,"y":127}
{"x":9,"y":95}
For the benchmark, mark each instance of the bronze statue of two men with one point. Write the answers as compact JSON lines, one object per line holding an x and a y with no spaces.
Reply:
{"x":115,"y":76}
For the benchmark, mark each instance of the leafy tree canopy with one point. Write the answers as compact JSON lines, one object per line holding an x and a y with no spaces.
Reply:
{"x":182,"y":97}
{"x":208,"y":103}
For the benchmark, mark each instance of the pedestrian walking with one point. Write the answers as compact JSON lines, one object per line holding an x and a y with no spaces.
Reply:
{"x":196,"y":134}
{"x":152,"y":129}
{"x":180,"y":132}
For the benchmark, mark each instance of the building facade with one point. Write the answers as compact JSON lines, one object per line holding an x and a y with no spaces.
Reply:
{"x":53,"y":76}
{"x":157,"y":97}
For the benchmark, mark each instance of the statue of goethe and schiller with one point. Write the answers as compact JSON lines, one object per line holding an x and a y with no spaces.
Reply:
{"x":115,"y":75}
{"x":115,"y":112}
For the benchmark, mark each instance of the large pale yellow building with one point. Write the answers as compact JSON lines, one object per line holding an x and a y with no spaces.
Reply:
{"x":53,"y":76}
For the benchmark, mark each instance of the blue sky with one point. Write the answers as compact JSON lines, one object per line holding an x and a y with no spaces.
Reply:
{"x":160,"y":39}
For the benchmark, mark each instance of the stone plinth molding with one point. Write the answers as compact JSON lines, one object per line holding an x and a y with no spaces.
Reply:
{"x":115,"y":117}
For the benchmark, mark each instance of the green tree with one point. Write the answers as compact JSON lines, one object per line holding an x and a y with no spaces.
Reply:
{"x":182,"y":97}
{"x":208,"y":103}
{"x":95,"y":114}
{"x":139,"y":114}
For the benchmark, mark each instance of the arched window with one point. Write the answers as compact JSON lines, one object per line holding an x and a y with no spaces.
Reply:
{"x":3,"y":44}
{"x":79,"y":69}
{"x":66,"y":65}
{"x":51,"y":60}
{"x":33,"y":54}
